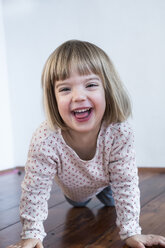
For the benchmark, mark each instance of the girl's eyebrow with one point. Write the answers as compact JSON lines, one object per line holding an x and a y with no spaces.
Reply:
{"x":62,"y":83}
{"x":59,"y":84}
{"x":93,"y":78}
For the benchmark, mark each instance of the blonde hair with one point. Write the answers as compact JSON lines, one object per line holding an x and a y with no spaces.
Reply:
{"x":86,"y":58}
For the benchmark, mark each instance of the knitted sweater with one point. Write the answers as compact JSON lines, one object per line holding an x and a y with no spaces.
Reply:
{"x":113,"y":164}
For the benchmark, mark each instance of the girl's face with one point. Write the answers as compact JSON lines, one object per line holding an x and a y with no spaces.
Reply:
{"x":81,"y":101}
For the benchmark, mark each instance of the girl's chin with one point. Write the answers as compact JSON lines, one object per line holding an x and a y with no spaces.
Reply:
{"x":85,"y":127}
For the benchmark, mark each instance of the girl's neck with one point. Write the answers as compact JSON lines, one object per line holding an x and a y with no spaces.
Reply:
{"x":84,"y":144}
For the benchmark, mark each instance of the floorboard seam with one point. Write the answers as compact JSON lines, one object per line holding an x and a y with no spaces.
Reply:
{"x":142,"y":206}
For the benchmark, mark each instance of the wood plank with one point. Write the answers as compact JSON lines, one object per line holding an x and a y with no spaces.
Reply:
{"x":11,"y":216}
{"x":152,"y":187}
{"x":10,"y":235}
{"x":86,"y":227}
{"x":83,"y":227}
{"x":85,"y":235}
{"x":153,"y":216}
{"x":60,"y":211}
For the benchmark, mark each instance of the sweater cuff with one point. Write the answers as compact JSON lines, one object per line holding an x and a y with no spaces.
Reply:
{"x":130,"y":233}
{"x":33,"y":230}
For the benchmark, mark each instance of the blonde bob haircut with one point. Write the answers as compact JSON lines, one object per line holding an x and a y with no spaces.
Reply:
{"x":86,"y":58}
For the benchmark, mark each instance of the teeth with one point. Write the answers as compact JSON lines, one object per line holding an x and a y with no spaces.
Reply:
{"x":81,"y":110}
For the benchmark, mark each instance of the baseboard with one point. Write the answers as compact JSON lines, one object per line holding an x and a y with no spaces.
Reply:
{"x":12,"y":170}
{"x":152,"y":169}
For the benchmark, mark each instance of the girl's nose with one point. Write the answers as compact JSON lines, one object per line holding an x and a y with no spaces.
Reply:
{"x":78,"y":95}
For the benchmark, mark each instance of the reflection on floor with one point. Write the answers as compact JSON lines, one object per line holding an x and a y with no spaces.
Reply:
{"x":89,"y":227}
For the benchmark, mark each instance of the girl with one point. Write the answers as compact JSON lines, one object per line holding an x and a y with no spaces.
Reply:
{"x":86,"y":144}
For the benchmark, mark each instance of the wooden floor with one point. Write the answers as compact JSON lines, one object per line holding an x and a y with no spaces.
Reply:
{"x":86,"y":227}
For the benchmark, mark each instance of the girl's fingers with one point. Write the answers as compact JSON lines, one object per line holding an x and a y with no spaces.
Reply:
{"x":155,"y":240}
{"x":39,"y":245}
{"x":29,"y":243}
{"x":137,"y":245}
{"x":134,"y":243}
{"x":32,"y":244}
{"x":139,"y":241}
{"x":18,"y":245}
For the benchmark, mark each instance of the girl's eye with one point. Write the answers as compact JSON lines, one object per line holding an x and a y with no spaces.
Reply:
{"x":91,"y":85}
{"x":64,"y":89}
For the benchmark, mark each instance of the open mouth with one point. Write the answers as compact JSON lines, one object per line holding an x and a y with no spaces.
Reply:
{"x":82,"y":114}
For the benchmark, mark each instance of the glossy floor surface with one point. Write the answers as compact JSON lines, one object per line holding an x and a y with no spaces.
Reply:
{"x":89,"y":227}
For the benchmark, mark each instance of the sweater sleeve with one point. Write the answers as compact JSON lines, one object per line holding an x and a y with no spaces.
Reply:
{"x":124,"y":182}
{"x":40,"y":170}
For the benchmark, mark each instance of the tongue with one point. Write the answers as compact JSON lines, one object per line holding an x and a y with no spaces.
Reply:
{"x":81,"y":115}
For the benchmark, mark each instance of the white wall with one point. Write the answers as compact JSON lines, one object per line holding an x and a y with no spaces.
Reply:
{"x":6,"y":138}
{"x":131,"y":32}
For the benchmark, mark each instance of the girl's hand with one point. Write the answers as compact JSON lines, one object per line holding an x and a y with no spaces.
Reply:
{"x":139,"y":241}
{"x":28,"y":243}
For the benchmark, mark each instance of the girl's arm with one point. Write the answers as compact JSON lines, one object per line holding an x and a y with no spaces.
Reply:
{"x":40,"y":170}
{"x":124,"y":181}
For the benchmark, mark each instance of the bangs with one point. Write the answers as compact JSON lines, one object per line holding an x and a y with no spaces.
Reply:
{"x":77,"y":56}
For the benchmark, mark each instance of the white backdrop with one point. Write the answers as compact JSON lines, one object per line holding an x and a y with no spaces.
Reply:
{"x":131,"y":32}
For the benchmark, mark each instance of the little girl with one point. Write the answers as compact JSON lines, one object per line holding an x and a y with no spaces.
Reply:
{"x":86,"y":144}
